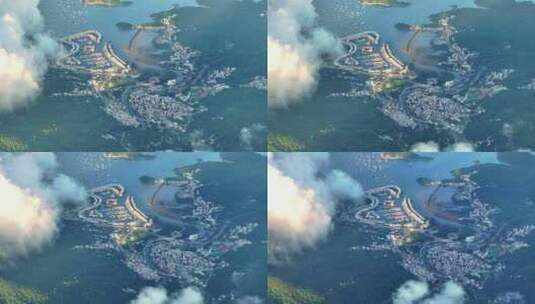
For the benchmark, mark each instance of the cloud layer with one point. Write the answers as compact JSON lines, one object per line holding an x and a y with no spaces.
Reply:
{"x":295,"y":49}
{"x":159,"y":295}
{"x":432,"y":146}
{"x":32,"y":193}
{"x":24,"y":51}
{"x":302,"y":196}
{"x":417,"y":292}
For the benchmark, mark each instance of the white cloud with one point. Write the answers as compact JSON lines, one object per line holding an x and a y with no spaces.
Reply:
{"x":250,"y":135}
{"x":24,"y":51}
{"x":425,"y":147}
{"x":301,"y":203}
{"x":296,"y":216}
{"x":295,"y":49}
{"x":291,"y":77}
{"x":410,"y":292}
{"x":26,"y":222}
{"x":249,"y":300}
{"x":342,"y":185}
{"x":32,"y":194}
{"x":159,"y":295}
{"x":151,"y":295}
{"x":188,"y":295}
{"x":461,"y":147}
{"x":451,"y":293}
{"x":417,"y":292}
{"x":432,"y":146}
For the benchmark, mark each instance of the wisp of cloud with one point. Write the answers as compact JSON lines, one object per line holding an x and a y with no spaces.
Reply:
{"x":295,"y":49}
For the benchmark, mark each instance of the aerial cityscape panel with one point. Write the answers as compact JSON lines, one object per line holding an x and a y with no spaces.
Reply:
{"x":133,"y":228}
{"x":401,"y":228}
{"x":115,"y":75}
{"x":414,"y":75}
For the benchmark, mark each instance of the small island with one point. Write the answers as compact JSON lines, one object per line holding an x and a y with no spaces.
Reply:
{"x":405,"y":27}
{"x":129,"y":156}
{"x":408,"y":156}
{"x":108,"y":3}
{"x":384,"y":3}
{"x":125,"y":26}
{"x":147,"y":180}
{"x":427,"y":182}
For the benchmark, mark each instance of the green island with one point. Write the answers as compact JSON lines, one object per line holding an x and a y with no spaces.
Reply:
{"x":281,"y":142}
{"x":9,"y":143}
{"x":280,"y":292}
{"x":118,"y":81}
{"x":125,"y":26}
{"x":13,"y":294}
{"x":394,"y":84}
{"x":136,"y":236}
